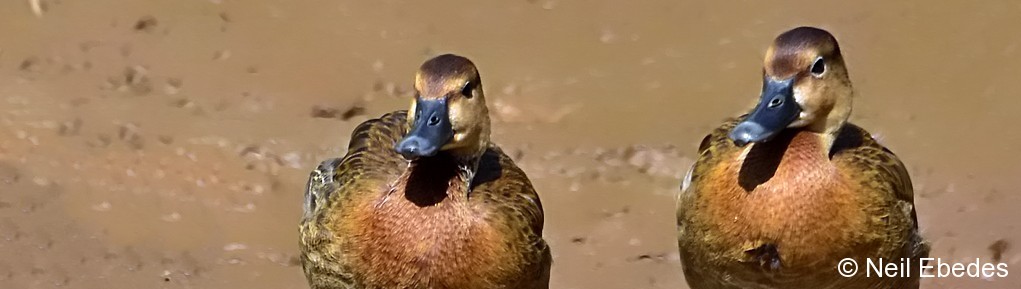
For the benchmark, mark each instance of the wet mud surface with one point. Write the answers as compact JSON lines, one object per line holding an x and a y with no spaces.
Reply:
{"x":165,"y":144}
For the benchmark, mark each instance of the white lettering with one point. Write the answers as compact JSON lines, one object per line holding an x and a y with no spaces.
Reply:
{"x":872,"y":267}
{"x":925,"y":265}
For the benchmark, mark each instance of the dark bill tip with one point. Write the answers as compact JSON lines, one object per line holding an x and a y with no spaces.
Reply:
{"x":776,"y":110}
{"x":429,"y":132}
{"x":413,"y":147}
{"x":749,"y":132}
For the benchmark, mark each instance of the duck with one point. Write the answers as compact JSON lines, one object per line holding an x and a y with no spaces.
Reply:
{"x":423,"y":199}
{"x":781,"y":196}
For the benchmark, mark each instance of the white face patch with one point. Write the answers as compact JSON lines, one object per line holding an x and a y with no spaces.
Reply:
{"x":414,"y":108}
{"x":456,"y":123}
{"x":799,"y":97}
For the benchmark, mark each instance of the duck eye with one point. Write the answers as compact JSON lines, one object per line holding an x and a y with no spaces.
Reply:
{"x":819,"y":67}
{"x":468,"y":90}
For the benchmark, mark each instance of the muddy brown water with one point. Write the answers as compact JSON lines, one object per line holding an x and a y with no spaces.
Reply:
{"x":165,"y":144}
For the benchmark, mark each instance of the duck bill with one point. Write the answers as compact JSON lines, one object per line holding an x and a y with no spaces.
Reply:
{"x":776,"y":110}
{"x":430,"y":131}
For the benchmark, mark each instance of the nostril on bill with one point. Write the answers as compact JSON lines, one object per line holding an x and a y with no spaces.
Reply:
{"x":776,"y":102}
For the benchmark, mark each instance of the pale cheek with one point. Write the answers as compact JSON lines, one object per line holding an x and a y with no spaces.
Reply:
{"x":411,"y":112}
{"x":799,"y":97}
{"x":457,"y":123}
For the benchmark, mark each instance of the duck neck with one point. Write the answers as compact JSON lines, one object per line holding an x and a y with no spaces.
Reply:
{"x":467,"y":166}
{"x":443,"y":177}
{"x":829,"y":126}
{"x":467,"y":160}
{"x":832,"y":112}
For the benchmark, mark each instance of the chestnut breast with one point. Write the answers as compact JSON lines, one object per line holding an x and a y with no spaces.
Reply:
{"x":785,"y":192}
{"x":403,"y":241}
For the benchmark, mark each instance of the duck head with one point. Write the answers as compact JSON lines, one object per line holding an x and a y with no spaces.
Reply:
{"x":804,"y":85}
{"x":449,"y":111}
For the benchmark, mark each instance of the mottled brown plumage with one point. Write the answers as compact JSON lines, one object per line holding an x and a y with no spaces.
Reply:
{"x":466,"y":217}
{"x":781,"y":213}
